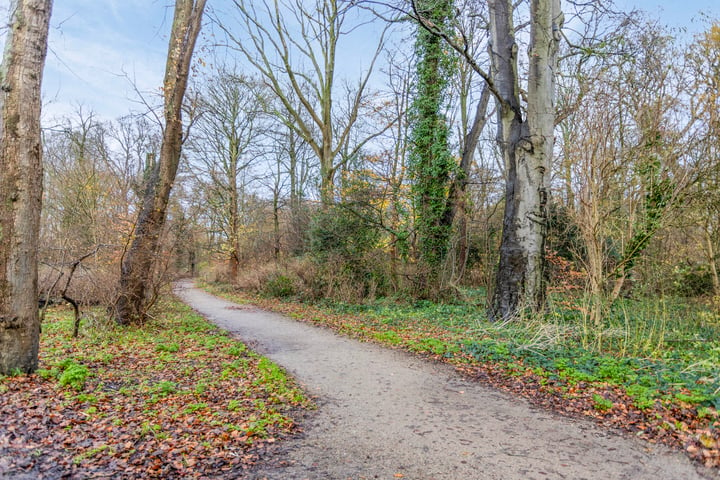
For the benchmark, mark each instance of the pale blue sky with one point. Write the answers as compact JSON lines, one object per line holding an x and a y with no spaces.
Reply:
{"x":675,"y":13}
{"x":99,"y":48}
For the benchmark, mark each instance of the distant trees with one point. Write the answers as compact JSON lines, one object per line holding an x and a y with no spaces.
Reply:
{"x":391,"y":183}
{"x":139,"y":262}
{"x":294,"y":47}
{"x":225,"y":143}
{"x":704,"y":69}
{"x":21,"y":175}
{"x":629,"y":160}
{"x":94,"y":175}
{"x":78,"y":204}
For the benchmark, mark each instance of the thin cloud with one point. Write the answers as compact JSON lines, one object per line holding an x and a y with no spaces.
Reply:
{"x":95,"y":58}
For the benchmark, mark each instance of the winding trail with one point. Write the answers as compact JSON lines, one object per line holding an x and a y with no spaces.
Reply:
{"x":385,"y":414}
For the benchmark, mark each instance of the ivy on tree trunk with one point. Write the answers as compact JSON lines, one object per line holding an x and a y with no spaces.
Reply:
{"x":431,"y":164}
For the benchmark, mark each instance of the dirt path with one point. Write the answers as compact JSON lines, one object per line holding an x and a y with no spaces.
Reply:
{"x":385,"y":414}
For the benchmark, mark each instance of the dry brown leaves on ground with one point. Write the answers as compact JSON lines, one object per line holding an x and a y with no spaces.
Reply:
{"x":173,"y":399}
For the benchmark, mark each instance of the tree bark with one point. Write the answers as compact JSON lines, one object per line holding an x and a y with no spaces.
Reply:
{"x":526,"y":145}
{"x":21,"y":177}
{"x":234,"y":212}
{"x":710,"y":255}
{"x":140,"y":261}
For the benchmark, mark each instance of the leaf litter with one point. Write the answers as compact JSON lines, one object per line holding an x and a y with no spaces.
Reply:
{"x":176,"y":398}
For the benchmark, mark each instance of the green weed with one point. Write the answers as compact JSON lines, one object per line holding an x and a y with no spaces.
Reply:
{"x":259,"y":426}
{"x":167,"y":347}
{"x":434,"y":346}
{"x":194,"y":407}
{"x":236,"y":350}
{"x":93,"y":452}
{"x":601,"y":403}
{"x":165,"y":388}
{"x":388,"y":337}
{"x":74,"y":375}
{"x":234,"y":369}
{"x":643,"y":397}
{"x":86,"y":398}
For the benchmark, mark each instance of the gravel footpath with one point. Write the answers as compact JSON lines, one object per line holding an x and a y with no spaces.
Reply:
{"x":386,"y":414}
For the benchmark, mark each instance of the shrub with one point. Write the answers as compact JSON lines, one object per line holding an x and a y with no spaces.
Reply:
{"x":692,"y":281}
{"x":279,"y":285}
{"x":345,"y":245}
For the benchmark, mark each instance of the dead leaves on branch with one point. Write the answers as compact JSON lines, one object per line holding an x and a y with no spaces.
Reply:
{"x":177,"y":399}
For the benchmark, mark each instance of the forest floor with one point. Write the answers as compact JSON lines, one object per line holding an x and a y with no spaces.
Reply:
{"x":387,"y":414}
{"x":175,"y":398}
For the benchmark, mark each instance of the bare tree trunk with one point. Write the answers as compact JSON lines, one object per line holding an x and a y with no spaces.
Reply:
{"x":710,"y":253}
{"x":21,"y":177}
{"x":234,"y":219}
{"x":312,"y":113}
{"x":139,"y":263}
{"x":526,"y":145}
{"x":276,"y":225}
{"x":277,"y":186}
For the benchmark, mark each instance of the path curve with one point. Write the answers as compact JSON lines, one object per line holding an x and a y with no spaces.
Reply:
{"x":385,"y":414}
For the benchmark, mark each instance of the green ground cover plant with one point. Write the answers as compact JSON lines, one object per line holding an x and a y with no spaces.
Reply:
{"x":175,"y":398}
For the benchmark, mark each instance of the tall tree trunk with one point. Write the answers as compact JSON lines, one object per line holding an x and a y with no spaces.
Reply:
{"x":139,"y":263}
{"x":526,"y":145}
{"x":430,"y":163}
{"x":710,"y":255}
{"x":276,"y":225}
{"x":21,"y":177}
{"x":234,"y":216}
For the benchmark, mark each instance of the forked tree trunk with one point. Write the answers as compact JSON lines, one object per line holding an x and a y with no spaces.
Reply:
{"x":140,"y":261}
{"x":21,"y":183}
{"x":526,"y":145}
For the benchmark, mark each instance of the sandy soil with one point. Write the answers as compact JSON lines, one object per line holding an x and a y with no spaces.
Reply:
{"x":384,"y":414}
